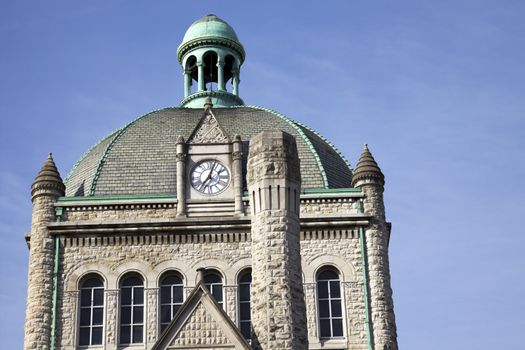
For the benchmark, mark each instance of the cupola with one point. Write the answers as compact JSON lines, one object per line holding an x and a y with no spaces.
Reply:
{"x":211,"y":56}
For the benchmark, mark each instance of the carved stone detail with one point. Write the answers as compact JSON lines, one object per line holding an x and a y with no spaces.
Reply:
{"x":209,"y":131}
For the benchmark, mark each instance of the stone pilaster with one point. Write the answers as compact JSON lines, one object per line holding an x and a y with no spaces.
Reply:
{"x":370,"y":179}
{"x":274,"y":182}
{"x":181,"y":177}
{"x":237,"y":174}
{"x":45,"y":190}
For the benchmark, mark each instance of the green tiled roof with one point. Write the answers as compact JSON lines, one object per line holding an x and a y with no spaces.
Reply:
{"x":140,"y":157}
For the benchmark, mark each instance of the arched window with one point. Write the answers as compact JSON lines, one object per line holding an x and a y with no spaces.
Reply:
{"x":329,"y":304}
{"x":91,"y":311}
{"x":245,"y":319}
{"x":171,"y":297}
{"x":213,"y":281}
{"x":131,"y":309}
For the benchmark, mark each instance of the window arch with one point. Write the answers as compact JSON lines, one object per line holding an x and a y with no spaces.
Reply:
{"x":131,"y":309}
{"x":171,"y":297}
{"x":244,"y":289}
{"x":91,"y":319}
{"x":213,"y":281}
{"x":329,"y":306}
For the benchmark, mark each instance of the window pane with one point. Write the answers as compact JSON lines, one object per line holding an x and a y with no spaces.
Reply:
{"x":244,"y":292}
{"x":245,"y":311}
{"x":125,"y":334}
{"x":247,"y":277}
{"x":165,"y":314}
{"x":85,"y":317}
{"x":212,"y":278}
{"x":338,"y":328}
{"x":217,"y":292}
{"x":97,"y":316}
{"x":175,"y":309}
{"x":171,"y":279}
{"x":98,"y":297}
{"x":323,"y":308}
{"x":125,"y":315}
{"x":138,"y":314}
{"x":328,"y":275}
{"x":92,"y":282}
{"x":165,"y":295}
{"x":83,"y":336}
{"x":246,"y":330}
{"x":97,"y":336}
{"x":334,"y":289}
{"x":137,"y":334}
{"x":126,"y":296}
{"x":322,"y":289}
{"x":138,"y":295}
{"x":85,"y":297}
{"x":132,"y":281}
{"x":336,"y":308}
{"x":163,"y":327}
{"x":178,"y":294}
{"x":325,"y":328}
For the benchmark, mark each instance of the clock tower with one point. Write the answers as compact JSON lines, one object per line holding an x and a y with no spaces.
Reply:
{"x":212,"y":225}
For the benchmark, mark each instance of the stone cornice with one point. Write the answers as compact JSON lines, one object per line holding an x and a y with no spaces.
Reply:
{"x":210,"y":41}
{"x":216,"y":224}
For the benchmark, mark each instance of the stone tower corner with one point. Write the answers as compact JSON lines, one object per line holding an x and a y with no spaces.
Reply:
{"x":274,"y":183}
{"x":370,"y":179}
{"x":46,"y":188}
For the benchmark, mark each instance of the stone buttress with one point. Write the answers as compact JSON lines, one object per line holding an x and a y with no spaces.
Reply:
{"x":274,"y":182}
{"x":46,"y":188}
{"x":370,"y":179}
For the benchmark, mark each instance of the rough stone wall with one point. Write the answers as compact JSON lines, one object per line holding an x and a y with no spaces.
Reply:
{"x":333,"y":247}
{"x":377,"y":236}
{"x":40,"y":276}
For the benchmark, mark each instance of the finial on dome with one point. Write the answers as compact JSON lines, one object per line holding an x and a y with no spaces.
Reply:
{"x":367,"y":169}
{"x":48,"y":180}
{"x":208,"y":104}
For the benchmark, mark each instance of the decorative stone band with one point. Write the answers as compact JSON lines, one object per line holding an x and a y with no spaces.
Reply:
{"x":222,"y":98}
{"x":47,"y":188}
{"x":210,"y":41}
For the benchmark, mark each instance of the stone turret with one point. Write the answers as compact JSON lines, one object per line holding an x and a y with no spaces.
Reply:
{"x":370,"y":179}
{"x":274,"y":183}
{"x":46,"y":188}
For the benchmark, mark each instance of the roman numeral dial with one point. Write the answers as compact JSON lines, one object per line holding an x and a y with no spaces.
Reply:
{"x":210,"y":177}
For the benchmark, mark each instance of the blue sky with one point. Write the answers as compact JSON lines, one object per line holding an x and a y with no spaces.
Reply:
{"x":436,"y":88}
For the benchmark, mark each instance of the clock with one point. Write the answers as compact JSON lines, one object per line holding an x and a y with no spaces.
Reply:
{"x":210,"y":177}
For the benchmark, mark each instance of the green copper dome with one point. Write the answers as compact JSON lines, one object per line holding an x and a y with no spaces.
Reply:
{"x":210,"y":30}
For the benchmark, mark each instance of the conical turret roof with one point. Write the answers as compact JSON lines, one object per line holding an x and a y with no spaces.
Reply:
{"x":367,"y":168}
{"x":49,"y":177}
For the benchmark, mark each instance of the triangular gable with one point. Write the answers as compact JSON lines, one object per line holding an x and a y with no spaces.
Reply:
{"x":209,"y":130}
{"x":201,"y":323}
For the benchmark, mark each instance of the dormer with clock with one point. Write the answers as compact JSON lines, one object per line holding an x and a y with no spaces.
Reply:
{"x":210,"y":169}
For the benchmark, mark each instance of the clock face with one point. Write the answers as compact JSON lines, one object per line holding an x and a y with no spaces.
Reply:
{"x":210,"y":177}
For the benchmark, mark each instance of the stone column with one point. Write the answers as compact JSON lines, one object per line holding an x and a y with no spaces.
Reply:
{"x":200,"y":67}
{"x":237,"y":174}
{"x":187,"y":82}
{"x":220,"y":75}
{"x":46,"y":188}
{"x":181,"y":176}
{"x":274,"y":183}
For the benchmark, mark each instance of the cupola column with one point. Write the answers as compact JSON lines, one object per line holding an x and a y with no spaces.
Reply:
{"x":235,"y":81}
{"x":200,"y":66}
{"x":187,"y":83}
{"x":220,"y":74}
{"x":181,"y":176}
